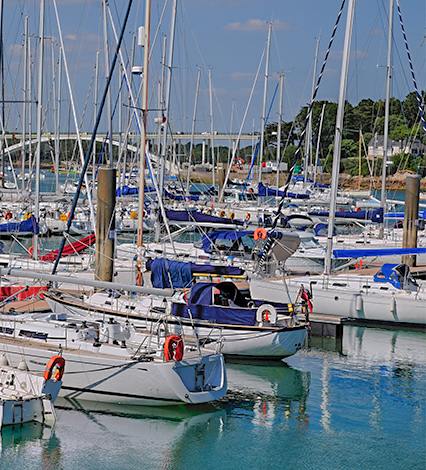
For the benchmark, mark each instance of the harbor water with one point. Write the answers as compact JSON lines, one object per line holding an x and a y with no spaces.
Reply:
{"x":360,"y":407}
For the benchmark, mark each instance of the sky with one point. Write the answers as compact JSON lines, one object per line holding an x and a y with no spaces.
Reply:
{"x":227,"y":38}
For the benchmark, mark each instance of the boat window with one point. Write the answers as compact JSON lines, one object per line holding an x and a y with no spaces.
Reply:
{"x":32,"y":334}
{"x":4,"y":329}
{"x":339,"y":284}
{"x":384,"y":288}
{"x":309,"y":243}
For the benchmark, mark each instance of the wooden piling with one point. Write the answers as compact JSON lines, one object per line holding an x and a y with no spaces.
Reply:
{"x":411,"y":214}
{"x":105,"y":225}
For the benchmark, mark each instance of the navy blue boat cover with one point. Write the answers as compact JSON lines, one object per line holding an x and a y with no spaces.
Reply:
{"x":179,"y":273}
{"x":194,"y":216}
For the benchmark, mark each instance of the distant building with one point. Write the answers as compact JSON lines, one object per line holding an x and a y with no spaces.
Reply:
{"x":375,"y":147}
{"x":414,"y":147}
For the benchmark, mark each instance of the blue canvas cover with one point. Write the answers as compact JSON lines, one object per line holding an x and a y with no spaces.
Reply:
{"x":373,"y":215}
{"x":29,"y":225}
{"x":208,"y":240}
{"x":194,"y":216}
{"x":387,"y":273}
{"x":263,"y":191}
{"x":201,"y":305}
{"x":180,"y":272}
{"x":170,"y":274}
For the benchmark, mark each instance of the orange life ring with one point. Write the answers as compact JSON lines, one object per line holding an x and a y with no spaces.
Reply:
{"x":8,"y":215}
{"x":57,"y":362}
{"x":173,"y":348}
{"x":358,"y":209}
{"x":260,"y":233}
{"x":31,"y":251}
{"x":248,"y":216}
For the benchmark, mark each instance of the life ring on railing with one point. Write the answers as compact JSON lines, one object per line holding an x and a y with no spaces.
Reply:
{"x":27,"y":216}
{"x":55,"y":367}
{"x":232,"y":216}
{"x":357,"y":209}
{"x":209,"y":212}
{"x":173,"y":348}
{"x":267,"y":313}
{"x":8,"y":215}
{"x":64,"y":217}
{"x":222,"y":213}
{"x":133,"y":215}
{"x":260,"y":233}
{"x":248,"y":216}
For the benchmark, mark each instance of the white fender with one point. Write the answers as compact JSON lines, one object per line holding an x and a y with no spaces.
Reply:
{"x":392,"y":306}
{"x":261,"y":312}
{"x":359,"y":303}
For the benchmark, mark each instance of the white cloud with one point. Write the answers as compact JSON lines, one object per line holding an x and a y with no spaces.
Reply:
{"x":71,"y":37}
{"x":256,"y":25}
{"x":242,"y":76}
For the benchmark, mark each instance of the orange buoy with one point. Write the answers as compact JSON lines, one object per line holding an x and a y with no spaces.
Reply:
{"x":173,"y":348}
{"x":57,"y":362}
{"x":260,"y":233}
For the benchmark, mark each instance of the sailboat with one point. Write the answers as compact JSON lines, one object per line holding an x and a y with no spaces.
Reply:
{"x":389,"y":295}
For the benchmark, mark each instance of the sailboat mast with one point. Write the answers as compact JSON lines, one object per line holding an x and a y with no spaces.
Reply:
{"x":211,"y":127}
{"x":169,"y":66}
{"x":308,"y":149}
{"x":39,"y":122}
{"x":2,"y":91}
{"x":338,"y":134}
{"x":146,"y":33}
{"x":265,"y":90}
{"x":280,"y":118}
{"x":109,"y":113}
{"x":386,"y":129}
{"x":24,"y":103}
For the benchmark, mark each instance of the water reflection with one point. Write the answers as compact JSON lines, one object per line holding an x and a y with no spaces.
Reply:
{"x":270,"y":393}
{"x":361,"y":408}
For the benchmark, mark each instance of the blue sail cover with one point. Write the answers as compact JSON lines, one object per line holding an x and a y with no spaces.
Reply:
{"x":29,"y":225}
{"x":127,"y":190}
{"x":263,"y":191}
{"x":194,"y":216}
{"x":180,"y":197}
{"x":360,"y":253}
{"x":164,"y":271}
{"x":373,"y":215}
{"x":180,"y":273}
{"x":400,"y":215}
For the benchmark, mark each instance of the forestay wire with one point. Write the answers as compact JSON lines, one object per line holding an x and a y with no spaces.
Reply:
{"x":269,"y":242}
{"x":419,"y":102}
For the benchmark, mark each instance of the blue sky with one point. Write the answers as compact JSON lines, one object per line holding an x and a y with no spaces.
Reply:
{"x":228,"y":37}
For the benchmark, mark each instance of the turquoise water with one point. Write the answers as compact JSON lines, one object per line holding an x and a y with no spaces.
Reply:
{"x":361,"y":408}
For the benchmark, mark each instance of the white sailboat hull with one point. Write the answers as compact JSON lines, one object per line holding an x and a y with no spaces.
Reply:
{"x":346,"y":298}
{"x":92,"y":376}
{"x":236,"y":340}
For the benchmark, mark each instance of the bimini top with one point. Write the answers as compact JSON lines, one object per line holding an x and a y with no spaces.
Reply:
{"x":399,"y":275}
